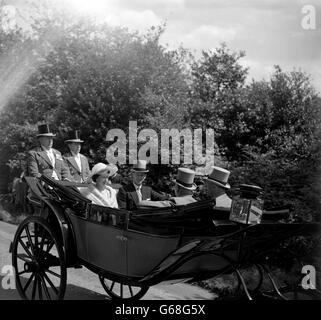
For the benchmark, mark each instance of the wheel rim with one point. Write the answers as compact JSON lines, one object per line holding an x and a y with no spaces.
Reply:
{"x":38,"y":261}
{"x":122,"y":291}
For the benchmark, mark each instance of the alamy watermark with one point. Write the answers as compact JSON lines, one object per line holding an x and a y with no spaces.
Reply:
{"x":309,"y":19}
{"x":309,"y":280}
{"x":7,"y":276}
{"x":171,"y":143}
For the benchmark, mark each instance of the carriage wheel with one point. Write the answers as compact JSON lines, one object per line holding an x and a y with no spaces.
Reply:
{"x":38,"y":261}
{"x":121,"y":291}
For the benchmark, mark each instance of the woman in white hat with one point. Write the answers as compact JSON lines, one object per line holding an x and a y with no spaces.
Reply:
{"x":217,"y":184}
{"x":99,"y":191}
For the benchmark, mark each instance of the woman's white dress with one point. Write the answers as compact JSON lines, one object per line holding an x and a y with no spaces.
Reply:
{"x":106,"y":198}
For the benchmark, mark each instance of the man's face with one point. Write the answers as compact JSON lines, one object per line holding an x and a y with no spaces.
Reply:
{"x":46,"y":142}
{"x":139,"y":177}
{"x":74,"y":147}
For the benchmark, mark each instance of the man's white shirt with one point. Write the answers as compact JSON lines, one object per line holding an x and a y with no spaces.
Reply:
{"x":52,"y":159}
{"x":77,"y":159}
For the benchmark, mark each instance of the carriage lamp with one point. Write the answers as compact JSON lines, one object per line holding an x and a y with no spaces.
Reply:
{"x":247,"y":206}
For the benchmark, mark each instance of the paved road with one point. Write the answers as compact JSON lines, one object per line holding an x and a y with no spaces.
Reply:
{"x":84,"y":285}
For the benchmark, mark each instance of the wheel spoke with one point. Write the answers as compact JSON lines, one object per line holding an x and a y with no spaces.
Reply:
{"x":28,"y":282}
{"x":42,"y":242}
{"x":36,"y":237}
{"x":49,"y":247}
{"x":23,"y":272}
{"x":130,"y":290}
{"x":121,"y":290}
{"x":112,"y":286}
{"x":51,"y":284}
{"x":43,"y":282}
{"x":30,"y":240}
{"x":34,"y":288}
{"x":23,"y":257}
{"x":53,"y":273}
{"x":25,"y":248}
{"x":39,"y":287}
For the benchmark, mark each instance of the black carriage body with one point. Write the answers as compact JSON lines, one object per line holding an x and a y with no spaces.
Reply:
{"x":145,"y":247}
{"x":128,"y":245}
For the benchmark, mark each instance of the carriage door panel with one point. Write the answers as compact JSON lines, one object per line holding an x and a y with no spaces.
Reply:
{"x":106,"y":247}
{"x":146,"y":251}
{"x":79,"y":226}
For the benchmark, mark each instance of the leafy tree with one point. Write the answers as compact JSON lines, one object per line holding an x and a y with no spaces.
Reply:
{"x":95,"y":78}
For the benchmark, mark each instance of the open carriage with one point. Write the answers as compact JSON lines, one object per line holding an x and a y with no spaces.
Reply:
{"x":133,"y":250}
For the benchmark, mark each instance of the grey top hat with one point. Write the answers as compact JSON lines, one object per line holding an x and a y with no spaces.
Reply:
{"x":44,"y":131}
{"x":219,"y":176}
{"x":140,"y":166}
{"x":74,"y":136}
{"x":185,"y":178}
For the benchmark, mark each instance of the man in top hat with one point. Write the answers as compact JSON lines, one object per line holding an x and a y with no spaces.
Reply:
{"x":217,"y":185}
{"x":184,"y":187}
{"x":77,"y":162}
{"x":130,"y":195}
{"x":45,"y":160}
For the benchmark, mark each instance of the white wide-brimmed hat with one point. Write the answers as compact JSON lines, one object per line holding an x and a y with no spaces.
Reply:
{"x":219,"y":176}
{"x":102,"y":168}
{"x":185,"y":178}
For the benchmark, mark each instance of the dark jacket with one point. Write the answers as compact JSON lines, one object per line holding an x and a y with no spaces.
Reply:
{"x":127,"y":197}
{"x":75,"y":172}
{"x":39,"y":164}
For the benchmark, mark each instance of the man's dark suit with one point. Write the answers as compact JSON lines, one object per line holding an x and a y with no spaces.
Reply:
{"x":75,"y":172}
{"x":127,"y":197}
{"x":39,"y":164}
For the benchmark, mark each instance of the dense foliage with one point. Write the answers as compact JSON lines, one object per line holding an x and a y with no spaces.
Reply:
{"x":74,"y":73}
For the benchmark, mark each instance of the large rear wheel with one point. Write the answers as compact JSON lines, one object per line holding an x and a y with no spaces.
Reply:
{"x":38,"y":261}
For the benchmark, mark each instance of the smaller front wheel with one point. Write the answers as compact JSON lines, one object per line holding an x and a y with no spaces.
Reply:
{"x":121,"y":291}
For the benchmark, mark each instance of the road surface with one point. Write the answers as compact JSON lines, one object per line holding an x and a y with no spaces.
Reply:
{"x":82,"y":284}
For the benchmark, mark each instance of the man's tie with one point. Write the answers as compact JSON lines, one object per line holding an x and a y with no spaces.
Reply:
{"x":139,"y":193}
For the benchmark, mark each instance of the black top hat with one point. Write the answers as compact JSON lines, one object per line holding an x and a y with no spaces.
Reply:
{"x":74,"y":136}
{"x":44,"y":131}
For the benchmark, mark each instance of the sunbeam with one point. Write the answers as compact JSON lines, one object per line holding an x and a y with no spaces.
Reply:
{"x":19,"y":63}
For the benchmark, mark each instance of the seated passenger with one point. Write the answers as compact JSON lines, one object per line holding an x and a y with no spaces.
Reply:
{"x":132,"y":194}
{"x":99,"y":191}
{"x":185,"y":187}
{"x":216,"y":185}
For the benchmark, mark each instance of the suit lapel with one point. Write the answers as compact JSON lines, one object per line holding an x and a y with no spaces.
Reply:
{"x":134,"y":194}
{"x":72,"y":161}
{"x":43,"y":155}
